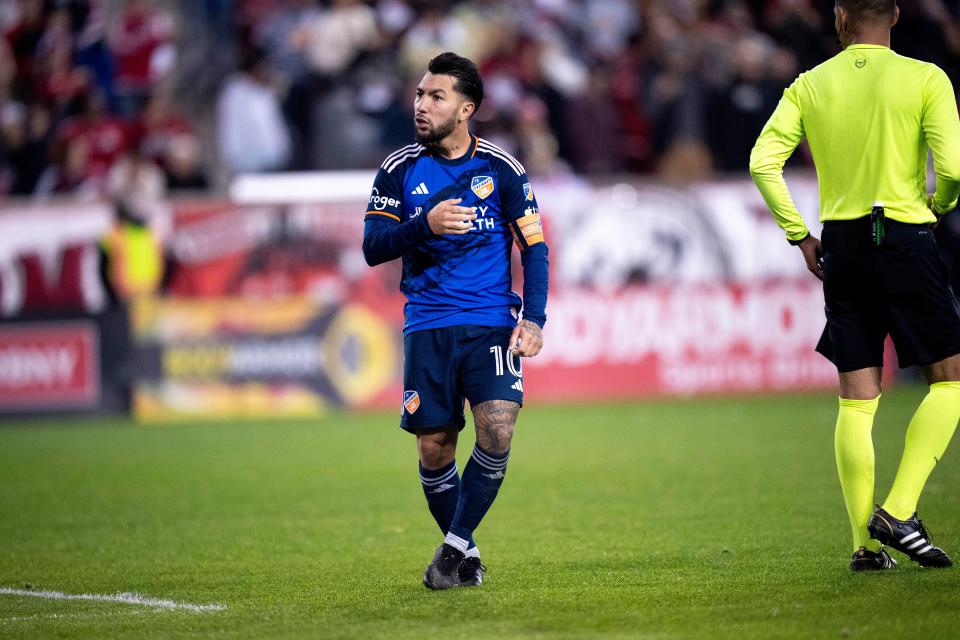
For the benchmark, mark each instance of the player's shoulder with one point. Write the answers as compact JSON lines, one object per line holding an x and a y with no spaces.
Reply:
{"x":499,"y":157}
{"x":402,"y":156}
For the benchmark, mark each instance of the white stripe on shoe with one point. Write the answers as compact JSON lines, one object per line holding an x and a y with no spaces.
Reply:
{"x":909,"y":537}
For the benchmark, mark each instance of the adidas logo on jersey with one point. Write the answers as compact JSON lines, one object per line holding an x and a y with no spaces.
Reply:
{"x":421,"y":190}
{"x":518,"y":385}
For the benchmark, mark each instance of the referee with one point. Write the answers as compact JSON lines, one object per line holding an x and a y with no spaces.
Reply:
{"x":869,"y":116}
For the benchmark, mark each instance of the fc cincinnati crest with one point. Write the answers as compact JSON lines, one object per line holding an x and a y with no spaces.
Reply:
{"x":482,"y":186}
{"x":411,"y":401}
{"x":527,"y":191}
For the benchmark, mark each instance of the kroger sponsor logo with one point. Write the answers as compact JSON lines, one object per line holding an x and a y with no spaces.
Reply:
{"x":380,"y":202}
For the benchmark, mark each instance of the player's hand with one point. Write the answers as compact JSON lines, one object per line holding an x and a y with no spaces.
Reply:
{"x":526,"y":340}
{"x":447,"y":218}
{"x":813,"y":255}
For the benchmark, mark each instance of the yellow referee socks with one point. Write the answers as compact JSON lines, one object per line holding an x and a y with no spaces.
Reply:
{"x":927,"y":438}
{"x":853,"y":444}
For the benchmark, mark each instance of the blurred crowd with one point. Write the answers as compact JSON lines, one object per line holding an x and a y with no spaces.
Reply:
{"x":93,"y":92}
{"x":84,"y":106}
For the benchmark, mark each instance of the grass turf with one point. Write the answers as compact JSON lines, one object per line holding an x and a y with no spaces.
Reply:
{"x":717,"y":517}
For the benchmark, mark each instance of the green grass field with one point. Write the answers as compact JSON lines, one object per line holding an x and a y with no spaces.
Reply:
{"x":716,"y":518}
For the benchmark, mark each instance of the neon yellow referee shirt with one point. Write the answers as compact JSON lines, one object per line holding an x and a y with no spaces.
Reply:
{"x":869,"y":116}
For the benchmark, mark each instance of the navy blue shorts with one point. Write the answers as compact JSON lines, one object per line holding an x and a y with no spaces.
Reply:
{"x":900,"y":288}
{"x":443,"y":367}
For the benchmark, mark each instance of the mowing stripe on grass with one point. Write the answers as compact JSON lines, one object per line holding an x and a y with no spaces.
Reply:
{"x":124,"y":598}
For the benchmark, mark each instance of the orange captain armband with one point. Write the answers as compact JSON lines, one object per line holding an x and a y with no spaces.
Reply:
{"x":529,"y":227}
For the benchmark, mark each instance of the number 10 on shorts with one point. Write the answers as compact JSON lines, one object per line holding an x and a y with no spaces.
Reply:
{"x":499,"y":359}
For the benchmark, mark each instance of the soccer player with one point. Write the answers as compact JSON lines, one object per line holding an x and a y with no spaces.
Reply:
{"x":869,"y":116}
{"x":452,"y":205}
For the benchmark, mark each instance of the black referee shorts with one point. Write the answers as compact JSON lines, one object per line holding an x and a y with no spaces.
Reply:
{"x":900,"y":288}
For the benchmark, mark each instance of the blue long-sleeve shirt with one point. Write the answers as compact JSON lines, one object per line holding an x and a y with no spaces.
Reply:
{"x":459,"y":279}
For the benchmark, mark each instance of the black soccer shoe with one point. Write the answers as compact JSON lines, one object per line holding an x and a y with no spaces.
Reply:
{"x":443,"y":572}
{"x":909,"y":537}
{"x":471,"y":572}
{"x":865,"y":560}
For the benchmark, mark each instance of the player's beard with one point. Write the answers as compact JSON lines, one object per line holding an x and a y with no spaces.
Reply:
{"x":433,"y":137}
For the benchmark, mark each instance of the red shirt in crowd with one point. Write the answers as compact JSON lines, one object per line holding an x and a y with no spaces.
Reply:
{"x":107,"y":138}
{"x":155,"y":135}
{"x":134,"y":37}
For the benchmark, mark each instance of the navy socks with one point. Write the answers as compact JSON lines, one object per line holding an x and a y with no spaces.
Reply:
{"x":478,"y":488}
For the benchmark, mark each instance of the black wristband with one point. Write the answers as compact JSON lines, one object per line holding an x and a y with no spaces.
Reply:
{"x":796,"y":242}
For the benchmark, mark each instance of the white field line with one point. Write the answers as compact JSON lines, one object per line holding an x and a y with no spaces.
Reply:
{"x":124,"y":598}
{"x":73,"y":616}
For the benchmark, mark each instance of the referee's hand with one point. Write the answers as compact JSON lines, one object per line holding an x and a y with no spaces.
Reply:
{"x":813,"y":255}
{"x":447,"y":218}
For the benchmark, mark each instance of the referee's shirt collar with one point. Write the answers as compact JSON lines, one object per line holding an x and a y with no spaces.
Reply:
{"x":866,"y":46}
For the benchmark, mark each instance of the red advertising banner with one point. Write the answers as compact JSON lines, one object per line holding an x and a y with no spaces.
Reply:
{"x":49,"y":366}
{"x":654,"y":289}
{"x":674,"y":312}
{"x":691,"y":339}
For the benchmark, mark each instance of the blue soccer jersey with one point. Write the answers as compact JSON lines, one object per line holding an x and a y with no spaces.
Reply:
{"x":460,"y":279}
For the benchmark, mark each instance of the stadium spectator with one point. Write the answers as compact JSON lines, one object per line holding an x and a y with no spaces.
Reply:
{"x":136,"y":182}
{"x":91,"y":51}
{"x":252,"y":131}
{"x":58,"y":82}
{"x":662,"y":71}
{"x":798,"y":27}
{"x":106,"y":136}
{"x":70,"y":173}
{"x":739,"y":109}
{"x":536,"y":144}
{"x":183,"y":166}
{"x":281,"y":36}
{"x":593,"y":128}
{"x":30,"y":139}
{"x":158,"y":126}
{"x":141,"y":40}
{"x":23,"y":35}
{"x":332,"y":38}
{"x":435,"y":30}
{"x":677,"y":105}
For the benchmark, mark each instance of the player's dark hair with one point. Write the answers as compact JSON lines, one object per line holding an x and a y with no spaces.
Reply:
{"x":468,"y":81}
{"x":868,"y":10}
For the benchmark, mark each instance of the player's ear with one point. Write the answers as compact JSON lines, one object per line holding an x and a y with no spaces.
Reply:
{"x":896,"y":14}
{"x":466,"y":110}
{"x":840,"y":15}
